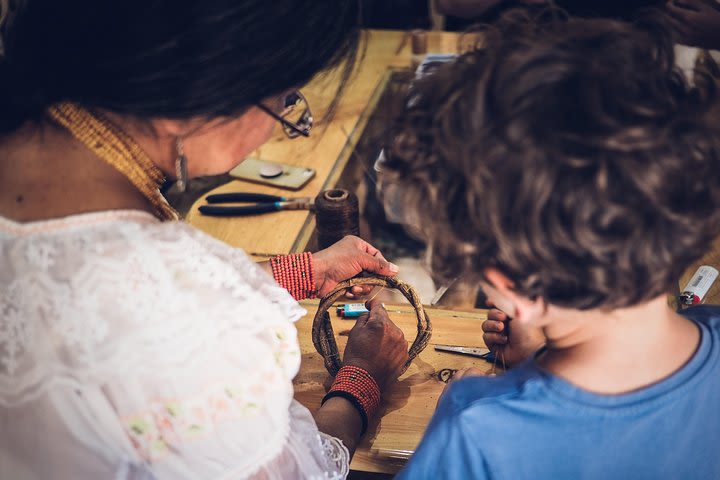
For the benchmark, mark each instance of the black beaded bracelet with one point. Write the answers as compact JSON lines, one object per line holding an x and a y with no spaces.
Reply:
{"x":355,"y":403}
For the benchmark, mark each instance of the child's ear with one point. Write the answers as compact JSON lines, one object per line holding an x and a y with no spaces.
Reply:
{"x":502,"y":294}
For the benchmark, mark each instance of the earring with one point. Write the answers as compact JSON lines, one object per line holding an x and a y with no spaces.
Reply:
{"x":181,"y":166}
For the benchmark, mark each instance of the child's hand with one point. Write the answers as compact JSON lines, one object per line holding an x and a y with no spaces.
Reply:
{"x":514,"y":342}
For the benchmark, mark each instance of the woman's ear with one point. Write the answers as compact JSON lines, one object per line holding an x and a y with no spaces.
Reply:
{"x":167,"y":128}
{"x":500,"y":292}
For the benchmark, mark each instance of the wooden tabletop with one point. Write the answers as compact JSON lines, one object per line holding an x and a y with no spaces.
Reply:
{"x":407,"y":407}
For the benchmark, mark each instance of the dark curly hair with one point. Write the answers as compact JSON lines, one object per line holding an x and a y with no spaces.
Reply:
{"x":568,"y":153}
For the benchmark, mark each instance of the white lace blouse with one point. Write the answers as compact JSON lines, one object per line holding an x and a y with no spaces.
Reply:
{"x":134,"y":349}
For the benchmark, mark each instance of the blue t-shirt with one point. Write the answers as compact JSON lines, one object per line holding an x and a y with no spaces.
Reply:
{"x":529,"y":424}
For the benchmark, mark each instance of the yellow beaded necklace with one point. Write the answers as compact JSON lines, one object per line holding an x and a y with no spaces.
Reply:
{"x":118,"y":149}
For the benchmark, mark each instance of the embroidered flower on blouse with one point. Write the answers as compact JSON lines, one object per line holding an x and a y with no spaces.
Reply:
{"x":145,"y":437}
{"x":175,"y":421}
{"x":286,"y":349}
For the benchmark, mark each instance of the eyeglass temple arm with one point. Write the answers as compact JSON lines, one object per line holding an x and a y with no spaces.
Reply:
{"x":285,"y":123}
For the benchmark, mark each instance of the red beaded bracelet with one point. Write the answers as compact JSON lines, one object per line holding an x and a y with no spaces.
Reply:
{"x":295,"y":273}
{"x":360,"y":388}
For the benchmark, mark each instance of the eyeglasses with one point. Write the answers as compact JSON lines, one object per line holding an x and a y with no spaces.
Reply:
{"x":295,"y":117}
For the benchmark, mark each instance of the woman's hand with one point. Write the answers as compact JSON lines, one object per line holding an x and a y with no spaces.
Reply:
{"x":377,"y":345}
{"x":344,"y":260}
{"x":696,"y":22}
{"x":514,"y":342}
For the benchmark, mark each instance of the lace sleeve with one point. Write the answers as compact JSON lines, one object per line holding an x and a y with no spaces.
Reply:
{"x":308,"y":453}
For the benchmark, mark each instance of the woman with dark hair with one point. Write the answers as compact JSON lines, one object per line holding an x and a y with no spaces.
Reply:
{"x":132,"y":345}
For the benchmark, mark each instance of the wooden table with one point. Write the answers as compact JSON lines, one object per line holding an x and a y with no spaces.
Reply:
{"x":408,"y":406}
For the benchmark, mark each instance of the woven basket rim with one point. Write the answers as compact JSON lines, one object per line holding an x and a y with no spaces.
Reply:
{"x":324,"y":337}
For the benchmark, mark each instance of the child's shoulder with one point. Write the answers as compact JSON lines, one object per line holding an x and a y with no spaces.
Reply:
{"x":484,"y":392}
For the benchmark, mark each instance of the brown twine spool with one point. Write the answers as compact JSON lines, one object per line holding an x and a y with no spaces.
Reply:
{"x":419,"y":42}
{"x":337,"y":215}
{"x":322,"y":331}
{"x":418,"y":47}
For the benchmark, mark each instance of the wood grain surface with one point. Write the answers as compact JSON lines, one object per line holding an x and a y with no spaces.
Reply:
{"x":407,"y":407}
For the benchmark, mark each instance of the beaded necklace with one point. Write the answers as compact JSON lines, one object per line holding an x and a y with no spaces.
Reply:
{"x":118,"y":150}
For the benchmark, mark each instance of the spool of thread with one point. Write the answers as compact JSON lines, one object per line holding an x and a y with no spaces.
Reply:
{"x":418,"y":47}
{"x":337,"y":214}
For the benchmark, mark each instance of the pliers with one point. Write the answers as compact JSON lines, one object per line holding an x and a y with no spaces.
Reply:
{"x":265,"y":204}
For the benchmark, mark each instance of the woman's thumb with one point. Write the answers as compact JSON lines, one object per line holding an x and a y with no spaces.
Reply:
{"x":378,"y":265}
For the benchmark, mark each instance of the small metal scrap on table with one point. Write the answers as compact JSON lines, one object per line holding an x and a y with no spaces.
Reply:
{"x":264,"y":204}
{"x":447,"y":374}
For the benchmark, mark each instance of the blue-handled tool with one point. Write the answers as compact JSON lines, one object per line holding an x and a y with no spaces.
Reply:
{"x":265,"y":204}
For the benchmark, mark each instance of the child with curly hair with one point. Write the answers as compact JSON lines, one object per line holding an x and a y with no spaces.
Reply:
{"x":571,"y":168}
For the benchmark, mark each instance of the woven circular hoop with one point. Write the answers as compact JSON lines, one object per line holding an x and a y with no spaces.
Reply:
{"x":322,"y":331}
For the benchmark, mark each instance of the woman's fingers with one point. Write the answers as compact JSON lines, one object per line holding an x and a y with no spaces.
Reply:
{"x":379,"y":255}
{"x":377,"y":264}
{"x":358,"y":291}
{"x":371,"y":250}
{"x":374,"y":303}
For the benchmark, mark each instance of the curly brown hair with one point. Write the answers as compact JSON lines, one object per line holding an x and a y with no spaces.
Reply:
{"x":568,"y":153}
